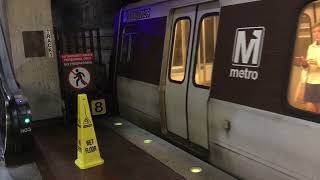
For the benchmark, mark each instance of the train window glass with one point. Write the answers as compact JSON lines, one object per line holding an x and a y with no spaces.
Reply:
{"x":180,"y":50}
{"x":127,"y":45}
{"x":205,"y":51}
{"x":124,"y":49}
{"x":131,"y":46}
{"x":304,"y":86}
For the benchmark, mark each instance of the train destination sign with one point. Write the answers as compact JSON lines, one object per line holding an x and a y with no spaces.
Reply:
{"x":77,"y":59}
{"x":137,"y":14}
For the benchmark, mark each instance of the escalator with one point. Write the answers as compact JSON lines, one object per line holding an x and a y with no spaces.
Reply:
{"x":15,"y":112}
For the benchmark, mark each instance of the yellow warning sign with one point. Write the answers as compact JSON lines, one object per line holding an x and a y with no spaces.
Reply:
{"x":87,"y":145}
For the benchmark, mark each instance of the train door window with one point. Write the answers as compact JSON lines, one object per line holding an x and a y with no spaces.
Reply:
{"x":206,"y":50}
{"x":304,"y":86}
{"x":127,"y":46}
{"x":180,"y":50}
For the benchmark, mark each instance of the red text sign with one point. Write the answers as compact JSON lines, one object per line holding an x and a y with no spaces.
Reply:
{"x":77,"y":59}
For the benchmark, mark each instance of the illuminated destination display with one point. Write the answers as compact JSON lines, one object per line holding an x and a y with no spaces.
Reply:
{"x":137,"y":14}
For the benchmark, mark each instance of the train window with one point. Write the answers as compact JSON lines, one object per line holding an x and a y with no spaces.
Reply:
{"x":304,"y":86}
{"x":205,"y":51}
{"x":127,"y":47}
{"x":180,"y":50}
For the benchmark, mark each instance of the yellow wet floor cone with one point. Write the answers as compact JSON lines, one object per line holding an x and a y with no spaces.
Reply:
{"x":87,"y":148}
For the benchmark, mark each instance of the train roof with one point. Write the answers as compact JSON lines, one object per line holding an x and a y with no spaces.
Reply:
{"x":184,"y":2}
{"x":154,"y":2}
{"x":144,"y":3}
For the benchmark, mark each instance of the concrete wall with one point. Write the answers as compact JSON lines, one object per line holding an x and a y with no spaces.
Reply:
{"x":37,"y":76}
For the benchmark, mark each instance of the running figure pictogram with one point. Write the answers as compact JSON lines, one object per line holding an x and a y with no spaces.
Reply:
{"x":79,"y":76}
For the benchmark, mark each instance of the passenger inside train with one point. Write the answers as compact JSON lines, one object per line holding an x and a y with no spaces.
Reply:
{"x":311,"y":95}
{"x":305,"y":75}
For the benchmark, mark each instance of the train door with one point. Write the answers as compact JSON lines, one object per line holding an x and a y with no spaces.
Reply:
{"x":177,"y":79}
{"x":189,"y":71}
{"x":200,"y":72}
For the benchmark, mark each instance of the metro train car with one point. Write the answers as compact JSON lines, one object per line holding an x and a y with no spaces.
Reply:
{"x":228,"y":78}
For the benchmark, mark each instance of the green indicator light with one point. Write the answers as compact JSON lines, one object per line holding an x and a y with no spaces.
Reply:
{"x":27,"y":120}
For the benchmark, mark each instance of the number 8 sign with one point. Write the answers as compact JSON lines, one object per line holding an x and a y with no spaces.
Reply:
{"x":98,"y":107}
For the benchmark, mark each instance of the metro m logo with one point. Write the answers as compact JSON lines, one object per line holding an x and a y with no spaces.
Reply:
{"x":248,"y":46}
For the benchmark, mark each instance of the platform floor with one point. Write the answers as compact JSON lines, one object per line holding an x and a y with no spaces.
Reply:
{"x":24,"y":171}
{"x":126,"y":156}
{"x":56,"y":148}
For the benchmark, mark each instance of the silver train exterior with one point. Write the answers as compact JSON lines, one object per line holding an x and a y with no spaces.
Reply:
{"x":244,"y":118}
